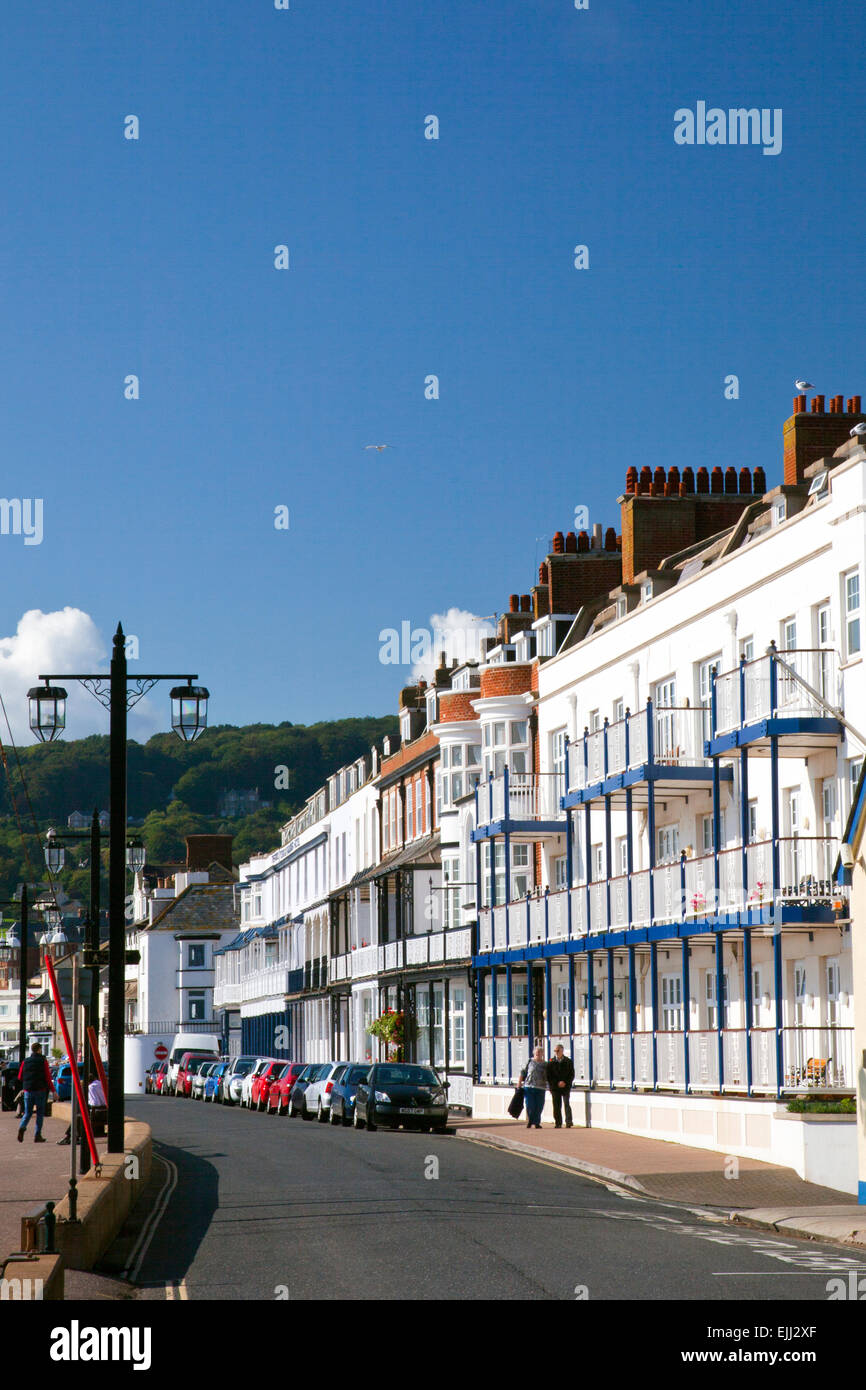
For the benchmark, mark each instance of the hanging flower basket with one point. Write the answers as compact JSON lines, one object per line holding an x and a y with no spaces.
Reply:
{"x":390,"y":1028}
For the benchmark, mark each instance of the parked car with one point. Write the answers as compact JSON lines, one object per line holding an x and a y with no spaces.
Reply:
{"x":296,"y":1096}
{"x":150,"y":1077}
{"x":317,"y":1097}
{"x":232,"y":1079}
{"x":281,"y":1088}
{"x":261,"y":1084}
{"x":160,"y":1080}
{"x":214,"y":1078}
{"x":402,"y":1093}
{"x":345,"y":1083}
{"x":10,"y":1084}
{"x":199,"y":1077}
{"x":190,"y":1064}
{"x":247,"y":1083}
{"x":63,"y":1080}
{"x":199,"y":1043}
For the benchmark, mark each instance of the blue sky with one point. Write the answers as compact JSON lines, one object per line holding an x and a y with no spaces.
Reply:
{"x":408,"y":257}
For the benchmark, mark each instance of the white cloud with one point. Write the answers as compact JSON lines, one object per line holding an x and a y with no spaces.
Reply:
{"x":458,"y":634}
{"x":66,"y":640}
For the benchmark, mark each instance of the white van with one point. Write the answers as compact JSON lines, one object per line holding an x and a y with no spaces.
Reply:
{"x":189,"y":1042}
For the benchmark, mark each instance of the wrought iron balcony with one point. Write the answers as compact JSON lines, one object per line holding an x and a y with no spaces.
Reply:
{"x":663,"y":744}
{"x":793,"y":695}
{"x":521,"y":803}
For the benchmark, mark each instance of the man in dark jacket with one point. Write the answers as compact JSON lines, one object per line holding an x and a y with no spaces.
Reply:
{"x":560,"y":1076}
{"x":36,"y":1083}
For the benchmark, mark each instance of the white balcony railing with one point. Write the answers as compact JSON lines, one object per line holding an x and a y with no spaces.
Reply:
{"x":532,"y":797}
{"x":776,"y":685}
{"x":676,"y":735}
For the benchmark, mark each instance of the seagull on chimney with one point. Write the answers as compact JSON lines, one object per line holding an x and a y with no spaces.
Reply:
{"x":380,"y":447}
{"x":859,"y":429}
{"x":804,"y":385}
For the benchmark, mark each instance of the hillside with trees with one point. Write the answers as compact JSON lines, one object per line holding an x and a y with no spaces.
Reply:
{"x":175,"y":789}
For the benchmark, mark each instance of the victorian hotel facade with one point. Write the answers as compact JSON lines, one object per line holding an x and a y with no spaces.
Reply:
{"x":618,"y":830}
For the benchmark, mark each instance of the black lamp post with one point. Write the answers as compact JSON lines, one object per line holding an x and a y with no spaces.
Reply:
{"x":118,"y":692}
{"x":8,"y":946}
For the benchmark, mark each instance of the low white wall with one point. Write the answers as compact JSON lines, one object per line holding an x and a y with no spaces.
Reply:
{"x":820,"y":1149}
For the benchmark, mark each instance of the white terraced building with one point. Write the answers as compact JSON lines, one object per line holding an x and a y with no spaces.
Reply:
{"x":655,"y":854}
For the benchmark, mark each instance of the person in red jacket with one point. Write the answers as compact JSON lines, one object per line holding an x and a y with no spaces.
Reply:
{"x":35,"y":1077}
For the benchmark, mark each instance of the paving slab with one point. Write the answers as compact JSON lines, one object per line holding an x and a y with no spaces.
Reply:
{"x":31,"y":1174}
{"x":756,"y":1193}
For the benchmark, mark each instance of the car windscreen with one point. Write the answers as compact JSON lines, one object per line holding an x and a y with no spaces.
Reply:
{"x":406,"y":1076}
{"x":243,"y":1069}
{"x":356,"y":1076}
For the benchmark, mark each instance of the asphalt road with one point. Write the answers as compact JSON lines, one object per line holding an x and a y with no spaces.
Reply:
{"x":274,"y":1208}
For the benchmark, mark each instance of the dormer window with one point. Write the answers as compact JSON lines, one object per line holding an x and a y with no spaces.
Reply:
{"x":621,"y":606}
{"x":779,"y":511}
{"x":647,"y":590}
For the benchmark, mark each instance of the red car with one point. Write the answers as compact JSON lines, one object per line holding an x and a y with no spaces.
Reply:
{"x":157,"y":1084}
{"x":190,"y":1063}
{"x":261,"y":1084}
{"x":280,"y":1090}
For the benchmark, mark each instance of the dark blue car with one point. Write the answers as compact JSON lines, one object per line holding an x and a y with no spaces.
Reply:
{"x":345,"y":1083}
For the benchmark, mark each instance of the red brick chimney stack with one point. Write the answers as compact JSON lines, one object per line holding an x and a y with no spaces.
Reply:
{"x":814,"y":433}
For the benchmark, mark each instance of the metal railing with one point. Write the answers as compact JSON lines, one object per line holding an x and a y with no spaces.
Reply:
{"x":662,"y":734}
{"x":776,"y":684}
{"x":815,"y":1060}
{"x":520,"y":796}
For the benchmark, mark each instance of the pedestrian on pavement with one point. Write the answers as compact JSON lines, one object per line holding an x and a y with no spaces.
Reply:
{"x":533,"y":1079}
{"x":36,"y":1083}
{"x":96,"y":1104}
{"x":560,"y":1077}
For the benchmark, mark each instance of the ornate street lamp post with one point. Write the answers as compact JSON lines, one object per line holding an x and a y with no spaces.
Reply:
{"x":118,"y":692}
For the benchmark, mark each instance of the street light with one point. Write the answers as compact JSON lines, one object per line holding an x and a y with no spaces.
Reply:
{"x":136,"y":855}
{"x":47,"y":711}
{"x":189,"y":711}
{"x":117,"y":692}
{"x":55,"y":854}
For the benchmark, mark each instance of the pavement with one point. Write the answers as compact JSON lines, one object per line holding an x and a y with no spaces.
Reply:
{"x":32,"y":1174}
{"x":748,"y":1191}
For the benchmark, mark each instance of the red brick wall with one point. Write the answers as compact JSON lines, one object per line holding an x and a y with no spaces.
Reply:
{"x":813,"y":435}
{"x":655,"y":527}
{"x":457,"y":704}
{"x":505,"y":680}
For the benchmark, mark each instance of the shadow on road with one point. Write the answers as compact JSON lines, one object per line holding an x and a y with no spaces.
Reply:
{"x":174,"y":1238}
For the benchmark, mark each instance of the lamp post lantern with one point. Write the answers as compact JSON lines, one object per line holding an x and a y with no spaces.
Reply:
{"x":118,"y":692}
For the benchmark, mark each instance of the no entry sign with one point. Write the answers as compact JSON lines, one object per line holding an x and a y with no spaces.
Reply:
{"x":160,"y":1052}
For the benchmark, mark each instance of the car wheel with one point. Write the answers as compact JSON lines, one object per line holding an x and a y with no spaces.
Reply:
{"x":440,"y":1129}
{"x":321,"y":1113}
{"x":347,"y":1119}
{"x":370,"y":1116}
{"x":357,"y":1122}
{"x":335,"y":1118}
{"x":305,"y":1114}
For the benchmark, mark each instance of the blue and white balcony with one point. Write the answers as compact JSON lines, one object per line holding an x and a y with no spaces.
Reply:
{"x":519,"y":804}
{"x":791,"y":696}
{"x":786,"y":881}
{"x":662,"y":746}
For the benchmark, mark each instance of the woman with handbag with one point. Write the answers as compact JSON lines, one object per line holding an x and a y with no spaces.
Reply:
{"x":533,"y":1079}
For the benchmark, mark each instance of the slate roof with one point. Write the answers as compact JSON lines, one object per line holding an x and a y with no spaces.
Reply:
{"x":200,"y":907}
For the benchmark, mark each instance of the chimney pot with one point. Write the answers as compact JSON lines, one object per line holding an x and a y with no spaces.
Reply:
{"x":799,"y":405}
{"x":570,"y":543}
{"x":558,"y":546}
{"x":542,"y":572}
{"x":702,"y":480}
{"x":631,"y":479}
{"x":745,"y":480}
{"x":855,"y":402}
{"x":513,"y":603}
{"x":717,"y":482}
{"x":688,"y":481}
{"x":658,"y":485}
{"x":610,"y":538}
{"x":730,"y":480}
{"x":759,"y":481}
{"x":596,"y":535}
{"x":646,"y":480}
{"x":525,"y":603}
{"x":582,"y":541}
{"x":817,"y":405}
